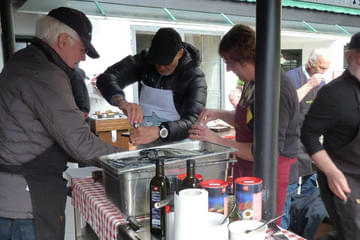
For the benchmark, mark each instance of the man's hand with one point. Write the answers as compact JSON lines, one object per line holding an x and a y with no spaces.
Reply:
{"x":338,"y":184}
{"x":132,"y":110}
{"x":144,"y":135}
{"x":316,"y":79}
{"x":336,"y":180}
{"x":313,"y":82}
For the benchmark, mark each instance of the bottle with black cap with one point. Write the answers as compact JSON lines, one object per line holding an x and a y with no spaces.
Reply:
{"x":190,"y":181}
{"x":159,"y":186}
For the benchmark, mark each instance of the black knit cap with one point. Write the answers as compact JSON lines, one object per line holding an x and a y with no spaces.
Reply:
{"x":355,"y":41}
{"x":164,"y":46}
{"x":79,"y":23}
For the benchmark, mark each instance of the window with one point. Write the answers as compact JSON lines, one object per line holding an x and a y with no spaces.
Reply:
{"x":292,"y":59}
{"x":22,"y":42}
{"x":143,"y":40}
{"x":208,"y":45}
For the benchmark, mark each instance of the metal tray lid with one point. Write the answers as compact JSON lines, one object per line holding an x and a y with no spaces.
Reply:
{"x":173,"y":154}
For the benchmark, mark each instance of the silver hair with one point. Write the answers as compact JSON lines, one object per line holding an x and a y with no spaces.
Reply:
{"x":48,"y":29}
{"x":316,"y":53}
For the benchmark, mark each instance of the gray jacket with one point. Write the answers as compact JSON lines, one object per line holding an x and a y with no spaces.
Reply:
{"x":37,"y":108}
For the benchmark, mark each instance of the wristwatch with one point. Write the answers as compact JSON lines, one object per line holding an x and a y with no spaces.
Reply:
{"x":163,"y":132}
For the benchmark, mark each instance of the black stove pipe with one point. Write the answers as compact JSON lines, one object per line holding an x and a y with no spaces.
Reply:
{"x":267,"y":92}
{"x":7,"y":26}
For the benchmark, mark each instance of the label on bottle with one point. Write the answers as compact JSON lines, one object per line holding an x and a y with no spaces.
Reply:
{"x":156,"y":214}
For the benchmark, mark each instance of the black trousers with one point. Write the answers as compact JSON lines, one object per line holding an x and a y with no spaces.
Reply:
{"x":345,"y":216}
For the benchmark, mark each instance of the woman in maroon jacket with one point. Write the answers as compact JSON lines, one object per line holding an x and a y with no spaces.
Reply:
{"x":237,"y":47}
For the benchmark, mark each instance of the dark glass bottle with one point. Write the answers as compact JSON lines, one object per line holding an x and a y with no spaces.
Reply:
{"x":159,"y":186}
{"x":190,"y":181}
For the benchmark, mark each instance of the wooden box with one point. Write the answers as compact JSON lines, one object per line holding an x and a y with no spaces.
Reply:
{"x":103,"y":129}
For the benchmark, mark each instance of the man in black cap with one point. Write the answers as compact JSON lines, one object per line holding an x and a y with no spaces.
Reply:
{"x":41,"y":127}
{"x":335,"y":115}
{"x":172,"y":88}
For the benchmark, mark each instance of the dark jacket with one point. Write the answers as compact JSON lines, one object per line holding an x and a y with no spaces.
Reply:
{"x":288,"y":118}
{"x":187,"y":83}
{"x":80,"y":92}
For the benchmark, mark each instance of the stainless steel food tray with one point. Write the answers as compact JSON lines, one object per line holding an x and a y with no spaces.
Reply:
{"x":131,"y":161}
{"x":127,"y":182}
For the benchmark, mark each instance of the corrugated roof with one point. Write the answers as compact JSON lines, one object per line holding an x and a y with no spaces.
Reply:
{"x":316,"y":6}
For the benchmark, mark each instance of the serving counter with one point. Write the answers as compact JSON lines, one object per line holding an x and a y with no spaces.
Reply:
{"x":107,"y":221}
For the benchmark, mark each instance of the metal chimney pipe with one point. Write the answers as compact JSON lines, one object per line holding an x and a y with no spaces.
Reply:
{"x":7,"y":26}
{"x":267,"y":92}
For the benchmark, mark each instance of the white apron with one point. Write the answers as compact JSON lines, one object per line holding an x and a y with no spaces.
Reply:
{"x":157,"y":106}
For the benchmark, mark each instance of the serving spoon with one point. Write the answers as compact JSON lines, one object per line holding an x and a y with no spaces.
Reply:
{"x":265,"y":223}
{"x":231,"y":211}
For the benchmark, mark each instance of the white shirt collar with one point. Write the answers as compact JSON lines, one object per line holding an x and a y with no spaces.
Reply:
{"x":305,"y":72}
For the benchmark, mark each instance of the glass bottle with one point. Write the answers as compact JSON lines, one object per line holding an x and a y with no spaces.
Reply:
{"x":159,"y":187}
{"x":190,"y":181}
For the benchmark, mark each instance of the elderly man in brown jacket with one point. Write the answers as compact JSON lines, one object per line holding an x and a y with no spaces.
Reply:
{"x":41,"y":127}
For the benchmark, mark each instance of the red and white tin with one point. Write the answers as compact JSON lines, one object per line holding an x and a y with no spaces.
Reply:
{"x":249,"y":197}
{"x":218,"y":197}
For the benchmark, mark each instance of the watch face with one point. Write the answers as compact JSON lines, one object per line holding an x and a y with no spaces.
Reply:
{"x":163,"y":132}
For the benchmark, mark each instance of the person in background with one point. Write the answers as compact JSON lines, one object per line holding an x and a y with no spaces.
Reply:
{"x":235,"y":94}
{"x":41,"y":127}
{"x":237,"y":47}
{"x":334,"y":114}
{"x":308,"y":79}
{"x":172,"y":88}
{"x":80,"y":92}
{"x":234,"y":97}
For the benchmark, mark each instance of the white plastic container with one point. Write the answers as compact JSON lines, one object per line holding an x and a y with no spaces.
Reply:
{"x":237,"y":230}
{"x":215,"y":230}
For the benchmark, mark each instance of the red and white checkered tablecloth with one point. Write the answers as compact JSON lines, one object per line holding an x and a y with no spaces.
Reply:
{"x":99,"y":212}
{"x":104,"y":217}
{"x":289,"y":235}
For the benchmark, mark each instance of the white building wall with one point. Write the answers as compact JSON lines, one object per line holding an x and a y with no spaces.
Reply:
{"x":113,"y":38}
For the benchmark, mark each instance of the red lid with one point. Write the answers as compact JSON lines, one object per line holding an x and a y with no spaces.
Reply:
{"x":167,"y":208}
{"x":248,"y":180}
{"x":183,"y":175}
{"x":213,"y":183}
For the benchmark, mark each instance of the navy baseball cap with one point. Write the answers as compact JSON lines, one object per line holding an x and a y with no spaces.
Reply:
{"x":79,"y":23}
{"x":164,"y":46}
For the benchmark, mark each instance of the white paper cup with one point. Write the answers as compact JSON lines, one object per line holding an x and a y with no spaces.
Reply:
{"x":237,"y":230}
{"x":215,"y":230}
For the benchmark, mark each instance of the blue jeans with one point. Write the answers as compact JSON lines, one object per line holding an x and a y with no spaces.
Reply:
{"x":17,"y":229}
{"x":308,"y":186}
{"x":291,"y":192}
